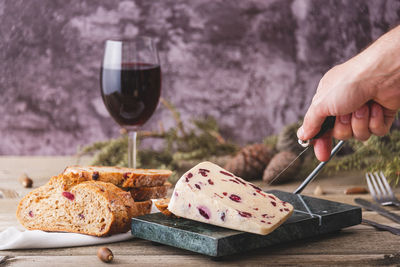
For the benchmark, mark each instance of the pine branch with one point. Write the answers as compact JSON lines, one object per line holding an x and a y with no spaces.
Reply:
{"x":176,"y":115}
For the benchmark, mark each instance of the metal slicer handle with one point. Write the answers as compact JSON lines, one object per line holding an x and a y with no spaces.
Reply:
{"x":315,"y":172}
{"x":328,"y":124}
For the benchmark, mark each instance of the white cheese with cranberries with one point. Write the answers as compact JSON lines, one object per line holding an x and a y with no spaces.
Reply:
{"x":210,"y":194}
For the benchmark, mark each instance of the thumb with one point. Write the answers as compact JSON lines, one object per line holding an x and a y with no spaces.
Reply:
{"x":312,"y":123}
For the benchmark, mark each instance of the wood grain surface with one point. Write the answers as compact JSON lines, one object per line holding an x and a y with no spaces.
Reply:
{"x":360,"y":245}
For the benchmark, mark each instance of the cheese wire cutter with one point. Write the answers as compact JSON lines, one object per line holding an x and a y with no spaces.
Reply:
{"x":327,"y":125}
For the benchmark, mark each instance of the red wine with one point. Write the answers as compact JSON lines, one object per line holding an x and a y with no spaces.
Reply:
{"x":131,"y":93}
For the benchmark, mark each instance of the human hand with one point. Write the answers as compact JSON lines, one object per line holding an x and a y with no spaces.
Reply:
{"x":364,"y":95}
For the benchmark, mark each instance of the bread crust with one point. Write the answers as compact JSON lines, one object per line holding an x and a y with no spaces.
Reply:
{"x":142,"y":207}
{"x":122,"y":177}
{"x":153,"y":192}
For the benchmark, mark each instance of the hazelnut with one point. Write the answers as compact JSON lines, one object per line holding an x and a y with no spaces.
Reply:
{"x":25,"y":181}
{"x":105,"y":254}
{"x":319,"y":191}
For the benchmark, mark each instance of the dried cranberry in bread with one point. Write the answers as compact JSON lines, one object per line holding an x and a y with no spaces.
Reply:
{"x":71,"y":204}
{"x":153,"y":192}
{"x":122,"y":177}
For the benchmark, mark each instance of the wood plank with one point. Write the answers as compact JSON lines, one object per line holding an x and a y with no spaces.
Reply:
{"x":38,"y":168}
{"x":358,"y":245}
{"x":354,"y":240}
{"x":366,"y":237}
{"x":38,"y":165}
{"x":332,"y":184}
{"x":197,"y":260}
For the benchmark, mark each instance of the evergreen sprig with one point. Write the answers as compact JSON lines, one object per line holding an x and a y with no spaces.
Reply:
{"x":200,"y":141}
{"x":376,"y":154}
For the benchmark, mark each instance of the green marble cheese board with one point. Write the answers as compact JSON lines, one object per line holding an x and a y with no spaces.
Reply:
{"x":312,"y":217}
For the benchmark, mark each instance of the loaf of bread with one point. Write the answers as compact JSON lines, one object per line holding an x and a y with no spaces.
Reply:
{"x":122,"y":177}
{"x":153,"y":192}
{"x":71,"y":203}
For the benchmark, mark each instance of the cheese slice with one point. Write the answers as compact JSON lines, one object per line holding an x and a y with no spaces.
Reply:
{"x":210,"y":194}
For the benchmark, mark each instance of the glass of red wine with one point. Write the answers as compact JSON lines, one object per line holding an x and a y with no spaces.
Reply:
{"x":130,"y":80}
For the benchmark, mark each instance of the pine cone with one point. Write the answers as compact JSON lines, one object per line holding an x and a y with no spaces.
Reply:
{"x":278,"y":163}
{"x":287,"y":139}
{"x":250,"y":162}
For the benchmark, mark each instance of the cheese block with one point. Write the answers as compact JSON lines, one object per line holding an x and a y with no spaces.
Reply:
{"x":210,"y":194}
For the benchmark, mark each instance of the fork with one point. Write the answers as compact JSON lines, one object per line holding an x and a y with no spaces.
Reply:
{"x":7,"y":193}
{"x":381,"y":190}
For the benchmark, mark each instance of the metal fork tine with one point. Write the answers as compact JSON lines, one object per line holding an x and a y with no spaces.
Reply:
{"x":370,"y":187}
{"x":382,"y":193}
{"x":378,"y":192}
{"x":385,"y":182}
{"x":7,"y":193}
{"x":16,"y":195}
{"x":382,"y":188}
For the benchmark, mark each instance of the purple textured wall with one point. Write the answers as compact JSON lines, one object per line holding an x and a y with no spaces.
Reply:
{"x":253,"y":65}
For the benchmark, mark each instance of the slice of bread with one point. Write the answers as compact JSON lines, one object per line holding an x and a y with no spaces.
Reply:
{"x":134,"y":208}
{"x":122,"y":177}
{"x":162,"y":205}
{"x":70,"y":203}
{"x":142,"y":207}
{"x":153,"y":192}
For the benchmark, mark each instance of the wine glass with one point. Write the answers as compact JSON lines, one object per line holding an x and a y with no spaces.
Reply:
{"x":130,"y":81}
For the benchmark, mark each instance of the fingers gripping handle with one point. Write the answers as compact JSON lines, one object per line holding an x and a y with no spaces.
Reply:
{"x":328,"y":124}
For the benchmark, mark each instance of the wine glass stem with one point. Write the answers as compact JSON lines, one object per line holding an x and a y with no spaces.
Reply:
{"x":132,"y":149}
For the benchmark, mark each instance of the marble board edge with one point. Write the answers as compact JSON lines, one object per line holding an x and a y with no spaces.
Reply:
{"x":161,"y":229}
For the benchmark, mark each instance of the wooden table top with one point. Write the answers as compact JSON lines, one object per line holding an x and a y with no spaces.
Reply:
{"x":357,"y":245}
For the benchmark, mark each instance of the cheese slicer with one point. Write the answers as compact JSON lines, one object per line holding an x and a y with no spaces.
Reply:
{"x":315,"y":172}
{"x":328,"y":124}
